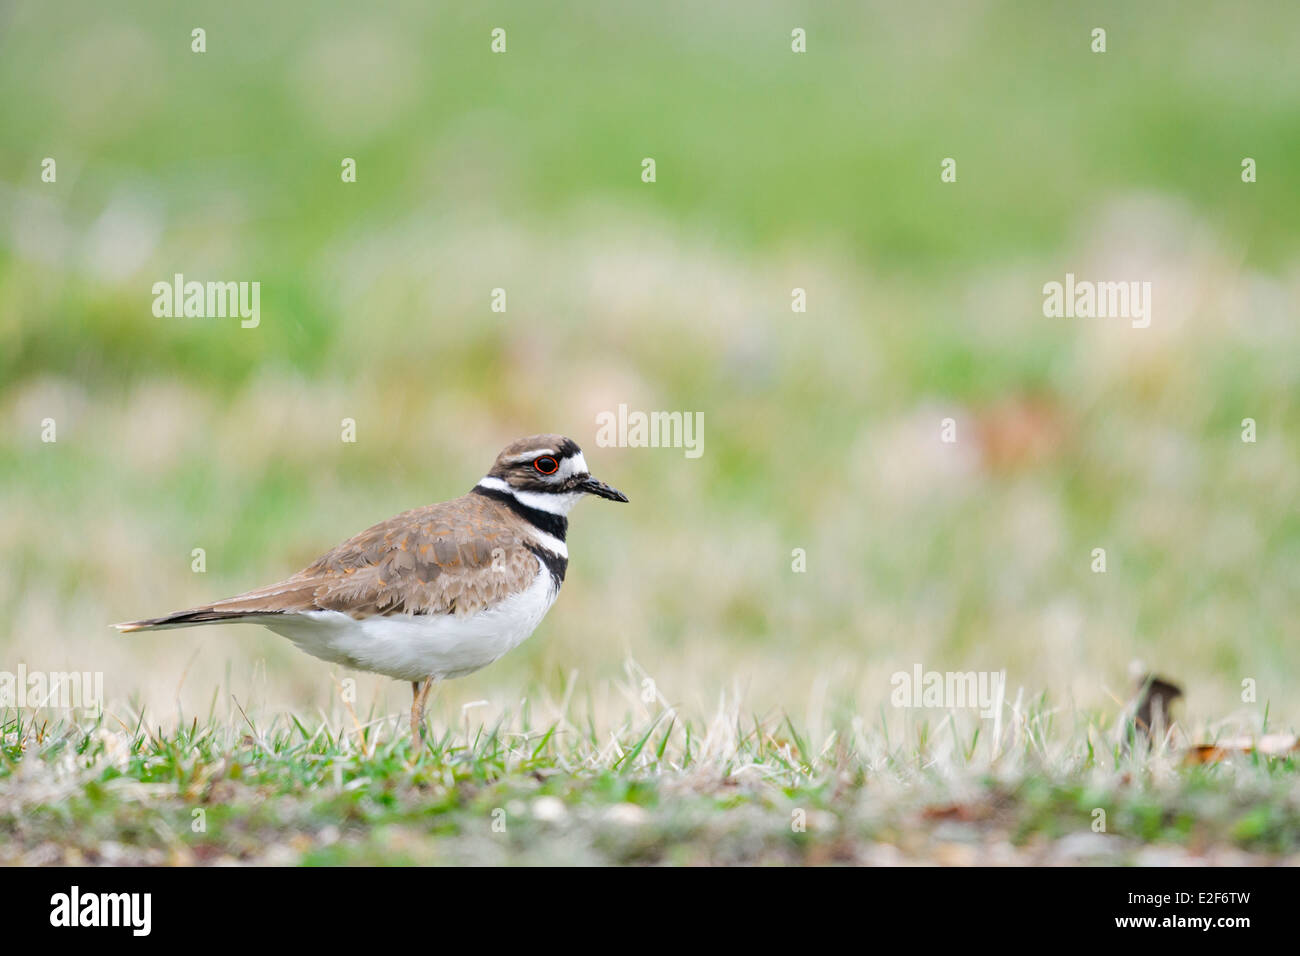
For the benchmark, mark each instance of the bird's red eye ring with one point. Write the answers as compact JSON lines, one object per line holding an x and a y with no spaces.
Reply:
{"x":546,"y":465}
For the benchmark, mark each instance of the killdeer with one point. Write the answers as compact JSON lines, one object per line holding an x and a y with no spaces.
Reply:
{"x":433,"y":593}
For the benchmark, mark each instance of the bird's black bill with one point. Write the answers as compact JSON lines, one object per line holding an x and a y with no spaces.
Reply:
{"x":594,"y":487}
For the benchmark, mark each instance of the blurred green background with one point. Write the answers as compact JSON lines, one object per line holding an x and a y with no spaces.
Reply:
{"x":774,"y":171}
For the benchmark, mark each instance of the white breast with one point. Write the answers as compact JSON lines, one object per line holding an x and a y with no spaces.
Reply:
{"x":415,"y":646}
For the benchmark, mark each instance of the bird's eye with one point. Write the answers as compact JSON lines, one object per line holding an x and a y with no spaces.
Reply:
{"x":546,"y":465}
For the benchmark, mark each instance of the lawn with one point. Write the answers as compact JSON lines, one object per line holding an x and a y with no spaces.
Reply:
{"x":1055,"y":788}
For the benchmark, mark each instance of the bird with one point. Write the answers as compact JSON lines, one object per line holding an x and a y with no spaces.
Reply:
{"x":434,"y":593}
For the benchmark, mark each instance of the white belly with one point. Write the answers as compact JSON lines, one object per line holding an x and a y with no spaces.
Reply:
{"x":416,"y":646}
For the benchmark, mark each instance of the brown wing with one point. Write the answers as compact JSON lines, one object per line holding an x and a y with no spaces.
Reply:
{"x":456,"y":557}
{"x":460,"y":556}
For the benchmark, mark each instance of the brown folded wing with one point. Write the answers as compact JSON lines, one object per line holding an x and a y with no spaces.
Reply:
{"x":456,"y":557}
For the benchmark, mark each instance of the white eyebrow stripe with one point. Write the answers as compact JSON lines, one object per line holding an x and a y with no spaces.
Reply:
{"x":530,"y":455}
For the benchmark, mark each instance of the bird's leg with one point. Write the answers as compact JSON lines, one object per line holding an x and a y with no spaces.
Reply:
{"x":420,"y":694}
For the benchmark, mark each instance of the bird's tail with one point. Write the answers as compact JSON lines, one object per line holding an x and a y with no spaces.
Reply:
{"x":255,"y":606}
{"x":191,"y":618}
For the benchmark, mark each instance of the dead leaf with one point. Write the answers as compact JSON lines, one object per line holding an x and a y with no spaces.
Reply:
{"x":1270,"y":745}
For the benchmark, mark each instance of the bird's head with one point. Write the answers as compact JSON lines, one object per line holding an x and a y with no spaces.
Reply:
{"x":546,"y":472}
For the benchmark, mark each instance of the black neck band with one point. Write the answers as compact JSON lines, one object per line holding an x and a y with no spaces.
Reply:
{"x":554,"y":525}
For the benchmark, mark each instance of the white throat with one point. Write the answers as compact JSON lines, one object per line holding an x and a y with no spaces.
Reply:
{"x":554,"y":504}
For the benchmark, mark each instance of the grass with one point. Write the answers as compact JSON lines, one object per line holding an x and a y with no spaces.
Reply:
{"x":730,"y":789}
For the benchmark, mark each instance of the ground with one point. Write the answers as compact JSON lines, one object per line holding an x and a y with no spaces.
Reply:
{"x":733,"y":790}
